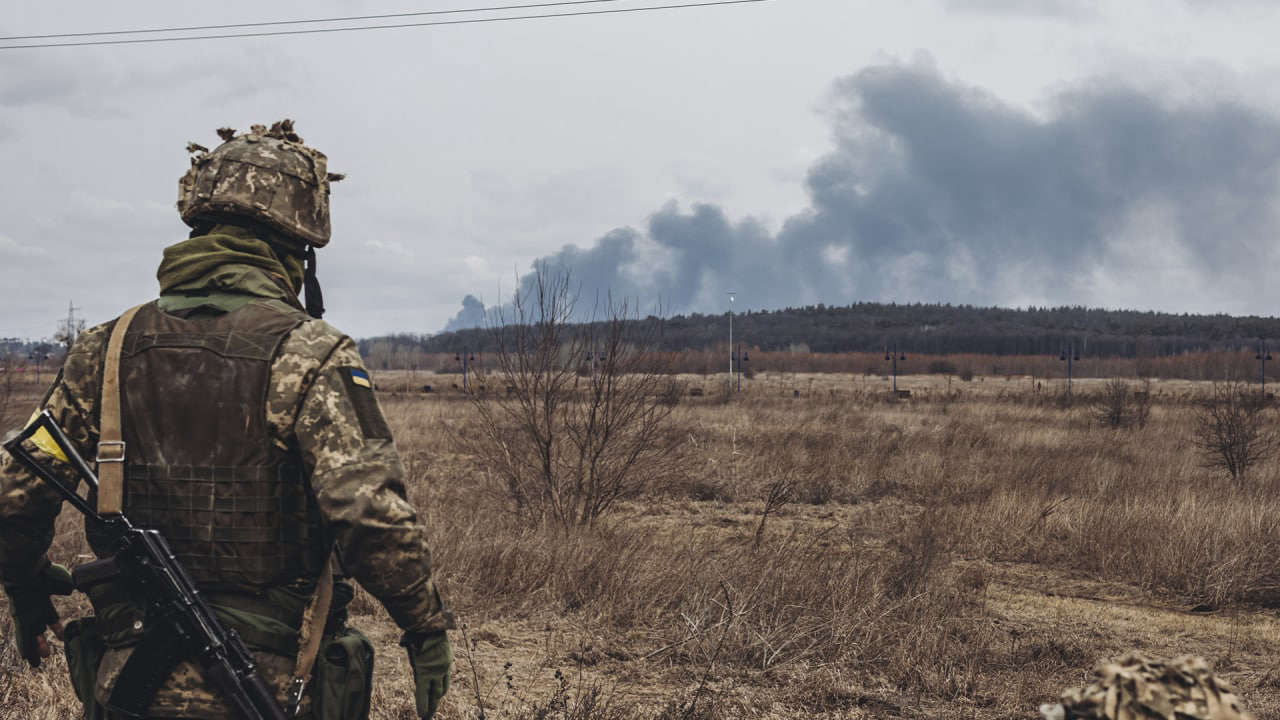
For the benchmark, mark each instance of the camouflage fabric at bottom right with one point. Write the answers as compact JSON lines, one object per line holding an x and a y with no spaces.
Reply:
{"x":1140,"y":688}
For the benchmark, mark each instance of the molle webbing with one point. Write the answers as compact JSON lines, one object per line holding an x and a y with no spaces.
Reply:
{"x":239,"y":526}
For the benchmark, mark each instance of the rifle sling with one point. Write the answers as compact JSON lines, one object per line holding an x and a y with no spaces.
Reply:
{"x":313,"y":623}
{"x":110,"y":428}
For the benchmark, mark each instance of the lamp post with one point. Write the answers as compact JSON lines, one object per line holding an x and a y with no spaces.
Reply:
{"x":894,"y":355}
{"x":466,"y":358}
{"x":1070,"y":353}
{"x":595,"y":358}
{"x":742,"y":358}
{"x":38,"y":356}
{"x":1262,"y":357}
{"x":731,"y":294}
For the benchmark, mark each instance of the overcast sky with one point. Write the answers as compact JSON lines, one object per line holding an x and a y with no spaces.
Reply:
{"x":989,"y":151}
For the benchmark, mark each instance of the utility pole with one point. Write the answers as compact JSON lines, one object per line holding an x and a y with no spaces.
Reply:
{"x":895,"y":356}
{"x":71,"y":322}
{"x":731,"y":294}
{"x":1262,"y":358}
{"x":1069,"y":354}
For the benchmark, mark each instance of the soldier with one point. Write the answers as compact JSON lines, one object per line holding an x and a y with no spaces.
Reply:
{"x":245,"y":430}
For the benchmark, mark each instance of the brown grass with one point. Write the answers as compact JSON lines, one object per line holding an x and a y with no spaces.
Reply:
{"x":963,"y":554}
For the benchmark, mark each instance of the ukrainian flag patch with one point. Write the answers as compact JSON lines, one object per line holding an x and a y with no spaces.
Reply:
{"x":359,"y":389}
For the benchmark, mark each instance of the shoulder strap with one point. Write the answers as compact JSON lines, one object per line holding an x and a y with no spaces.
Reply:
{"x":110,"y":434}
{"x":313,"y":622}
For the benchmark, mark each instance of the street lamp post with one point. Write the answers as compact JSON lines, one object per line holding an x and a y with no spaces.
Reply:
{"x":731,"y":294}
{"x":39,"y":356}
{"x":894,"y":355}
{"x":1262,"y":358}
{"x":1070,"y":353}
{"x":596,"y":359}
{"x":742,"y":358}
{"x":466,"y":358}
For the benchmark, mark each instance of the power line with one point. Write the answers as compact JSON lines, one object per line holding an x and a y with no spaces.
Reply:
{"x":348,"y":18}
{"x":468,"y":21}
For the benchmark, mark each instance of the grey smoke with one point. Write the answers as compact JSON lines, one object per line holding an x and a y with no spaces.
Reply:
{"x":471,"y":314}
{"x":940,"y":192}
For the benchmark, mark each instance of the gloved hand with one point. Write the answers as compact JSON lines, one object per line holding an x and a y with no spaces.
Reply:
{"x":431,"y":658}
{"x":32,"y":611}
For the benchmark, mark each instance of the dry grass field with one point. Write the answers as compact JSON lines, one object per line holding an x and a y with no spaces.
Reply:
{"x":965,"y":553}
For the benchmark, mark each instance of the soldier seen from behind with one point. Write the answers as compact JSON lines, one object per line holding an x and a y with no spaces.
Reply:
{"x":229,"y":417}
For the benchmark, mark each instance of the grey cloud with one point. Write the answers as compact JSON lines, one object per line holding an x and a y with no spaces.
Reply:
{"x":940,"y":192}
{"x":63,"y":80}
{"x":1051,"y":8}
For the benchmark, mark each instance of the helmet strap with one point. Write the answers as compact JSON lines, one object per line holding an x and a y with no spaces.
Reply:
{"x":311,"y":287}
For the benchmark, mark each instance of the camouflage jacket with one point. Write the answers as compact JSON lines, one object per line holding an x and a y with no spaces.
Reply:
{"x":357,"y":481}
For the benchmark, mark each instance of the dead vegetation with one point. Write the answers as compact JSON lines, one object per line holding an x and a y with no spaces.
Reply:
{"x":833,"y":555}
{"x":1234,"y":430}
{"x":583,"y":421}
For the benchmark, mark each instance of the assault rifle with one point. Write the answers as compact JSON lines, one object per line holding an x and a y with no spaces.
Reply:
{"x":178,"y":614}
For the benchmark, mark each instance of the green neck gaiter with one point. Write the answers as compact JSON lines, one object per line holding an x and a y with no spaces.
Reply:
{"x":214,"y":262}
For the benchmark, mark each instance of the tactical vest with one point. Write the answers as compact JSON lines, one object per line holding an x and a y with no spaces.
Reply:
{"x":200,"y":464}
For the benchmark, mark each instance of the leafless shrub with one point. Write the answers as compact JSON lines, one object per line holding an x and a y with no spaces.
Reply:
{"x":567,"y":443}
{"x":1118,"y":406}
{"x":777,"y":494}
{"x":1232,"y":431}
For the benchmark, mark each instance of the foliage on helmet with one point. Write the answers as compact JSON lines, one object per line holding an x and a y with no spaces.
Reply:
{"x":1141,"y":688}
{"x":266,"y":175}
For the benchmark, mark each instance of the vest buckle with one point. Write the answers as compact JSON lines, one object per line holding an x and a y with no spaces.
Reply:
{"x":114,"y":451}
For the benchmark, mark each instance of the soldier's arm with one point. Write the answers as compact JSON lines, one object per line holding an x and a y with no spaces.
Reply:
{"x":359,"y":485}
{"x":28,"y":506}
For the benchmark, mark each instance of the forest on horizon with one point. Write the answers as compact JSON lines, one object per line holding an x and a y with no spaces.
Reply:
{"x":932,"y":329}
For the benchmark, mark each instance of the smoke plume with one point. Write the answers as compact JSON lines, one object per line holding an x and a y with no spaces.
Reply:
{"x":940,"y":192}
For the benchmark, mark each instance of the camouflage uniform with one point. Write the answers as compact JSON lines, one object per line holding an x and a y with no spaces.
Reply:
{"x":1139,"y":688}
{"x":336,"y":429}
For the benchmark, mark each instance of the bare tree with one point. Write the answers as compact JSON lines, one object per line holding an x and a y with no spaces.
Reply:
{"x":1232,"y":430}
{"x":583,"y":419}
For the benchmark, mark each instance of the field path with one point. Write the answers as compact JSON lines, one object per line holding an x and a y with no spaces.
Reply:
{"x":1072,"y":615}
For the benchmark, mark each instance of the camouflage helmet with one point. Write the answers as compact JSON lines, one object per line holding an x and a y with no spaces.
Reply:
{"x":1139,"y":688}
{"x":265,"y":175}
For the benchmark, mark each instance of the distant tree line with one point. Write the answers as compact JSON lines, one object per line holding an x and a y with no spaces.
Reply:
{"x":929,"y":329}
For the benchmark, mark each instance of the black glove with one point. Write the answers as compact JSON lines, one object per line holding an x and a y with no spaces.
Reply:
{"x":33,"y":612}
{"x":431,"y":658}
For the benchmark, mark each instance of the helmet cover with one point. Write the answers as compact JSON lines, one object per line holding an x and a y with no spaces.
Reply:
{"x":266,"y":175}
{"x":1140,"y":688}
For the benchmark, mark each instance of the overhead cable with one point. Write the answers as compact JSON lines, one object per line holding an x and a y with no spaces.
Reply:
{"x":312,"y":31}
{"x":347,"y":18}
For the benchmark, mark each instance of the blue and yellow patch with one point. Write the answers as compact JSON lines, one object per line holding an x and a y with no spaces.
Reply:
{"x":360,"y":389}
{"x":44,"y":441}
